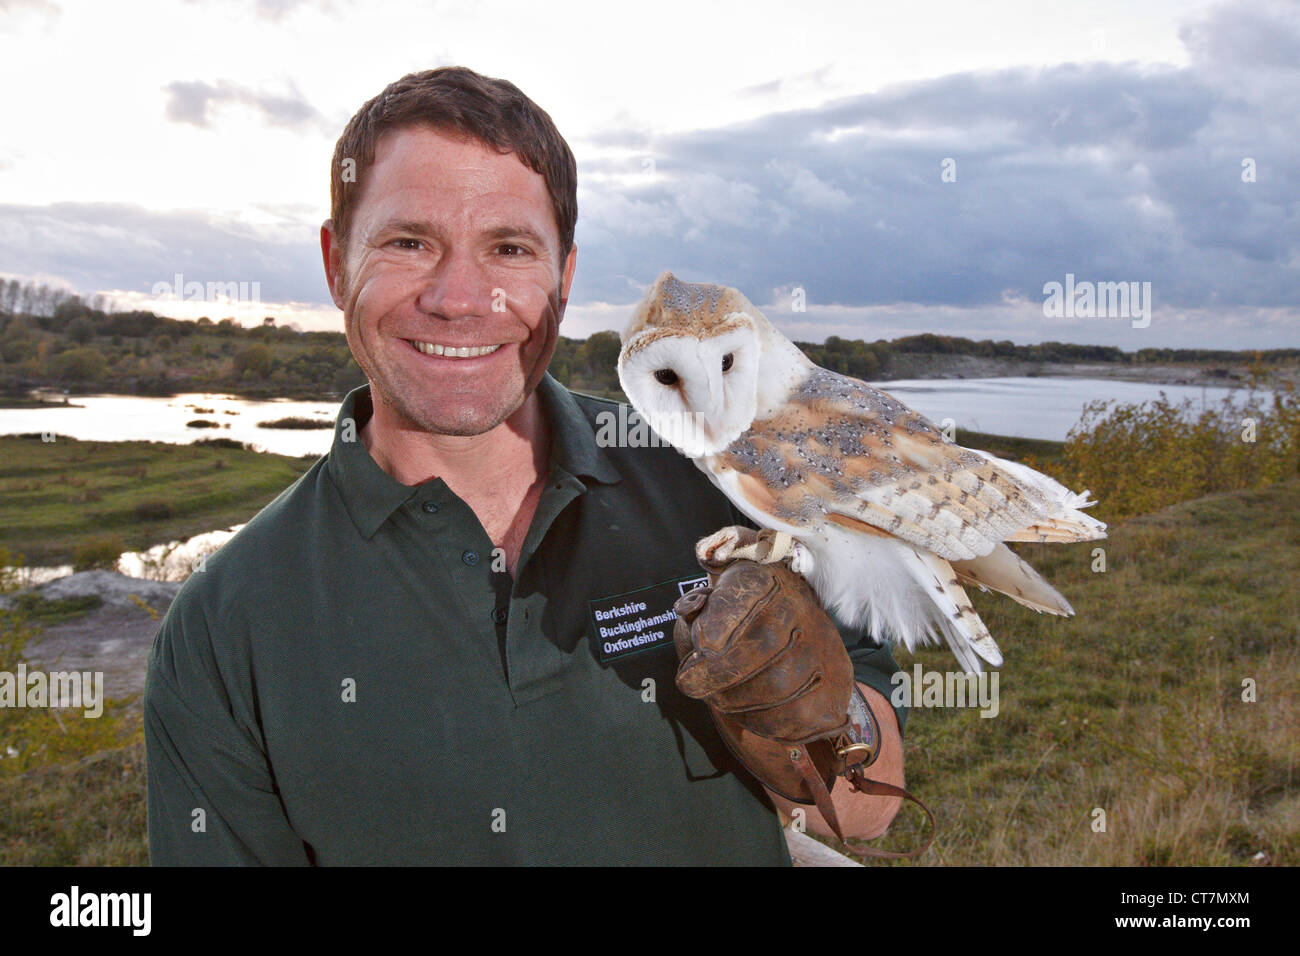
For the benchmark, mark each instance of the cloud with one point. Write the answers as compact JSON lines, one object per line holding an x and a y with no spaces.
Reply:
{"x":1107,"y":171}
{"x":1255,"y":37}
{"x":38,"y":6}
{"x":274,"y":10}
{"x":1111,"y":172}
{"x":192,"y":102}
{"x":103,"y":246}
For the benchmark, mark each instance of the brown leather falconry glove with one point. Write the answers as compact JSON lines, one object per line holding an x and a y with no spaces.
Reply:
{"x":759,"y":649}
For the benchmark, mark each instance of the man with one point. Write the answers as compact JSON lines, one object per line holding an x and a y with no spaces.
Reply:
{"x":415,"y":654}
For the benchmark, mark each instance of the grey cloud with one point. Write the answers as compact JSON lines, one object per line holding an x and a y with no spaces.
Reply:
{"x":1110,"y":172}
{"x":815,"y":77}
{"x":104,"y":246}
{"x":192,"y":102}
{"x":1260,"y":36}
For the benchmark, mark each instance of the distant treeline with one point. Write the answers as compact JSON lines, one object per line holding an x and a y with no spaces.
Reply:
{"x":50,"y":338}
{"x":67,"y":343}
{"x":870,"y":360}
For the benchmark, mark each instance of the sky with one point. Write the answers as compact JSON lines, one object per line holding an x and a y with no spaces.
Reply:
{"x":867,"y":170}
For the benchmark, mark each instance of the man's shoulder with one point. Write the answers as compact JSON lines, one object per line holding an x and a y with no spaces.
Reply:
{"x":253,"y":561}
{"x":626,"y":438}
{"x":669,"y":487}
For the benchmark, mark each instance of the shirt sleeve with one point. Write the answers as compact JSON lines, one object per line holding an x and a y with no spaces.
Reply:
{"x":211,"y":795}
{"x":873,"y":664}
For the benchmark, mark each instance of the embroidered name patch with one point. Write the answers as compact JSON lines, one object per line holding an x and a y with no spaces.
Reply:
{"x":639,"y":620}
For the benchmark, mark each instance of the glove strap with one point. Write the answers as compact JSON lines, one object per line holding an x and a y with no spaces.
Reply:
{"x":861,"y":740}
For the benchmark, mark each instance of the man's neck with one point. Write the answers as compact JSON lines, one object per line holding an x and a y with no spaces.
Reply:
{"x":499,"y":473}
{"x":414,"y":456}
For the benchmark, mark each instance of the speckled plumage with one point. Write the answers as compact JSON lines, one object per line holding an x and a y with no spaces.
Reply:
{"x":896,"y":519}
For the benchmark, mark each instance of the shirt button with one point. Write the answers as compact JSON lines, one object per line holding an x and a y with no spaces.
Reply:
{"x":470,"y":558}
{"x":500,"y":615}
{"x":431,"y":507}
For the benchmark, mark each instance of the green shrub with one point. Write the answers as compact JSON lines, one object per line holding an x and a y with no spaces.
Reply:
{"x":155,"y":509}
{"x":1139,"y":458}
{"x":98,"y":551}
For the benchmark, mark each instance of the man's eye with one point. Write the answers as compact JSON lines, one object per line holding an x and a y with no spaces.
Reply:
{"x":511,"y":249}
{"x":407,"y":243}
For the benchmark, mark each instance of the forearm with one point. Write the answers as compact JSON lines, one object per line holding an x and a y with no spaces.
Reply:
{"x":863,"y":816}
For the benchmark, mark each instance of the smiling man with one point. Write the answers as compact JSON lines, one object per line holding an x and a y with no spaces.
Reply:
{"x":450,"y":640}
{"x":441,"y":205}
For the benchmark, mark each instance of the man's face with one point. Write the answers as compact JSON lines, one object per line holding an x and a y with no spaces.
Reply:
{"x":453,"y":247}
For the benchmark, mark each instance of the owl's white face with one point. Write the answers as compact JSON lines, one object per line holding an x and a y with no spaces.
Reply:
{"x":698,"y":394}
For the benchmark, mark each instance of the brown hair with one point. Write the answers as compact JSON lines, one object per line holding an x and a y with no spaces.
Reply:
{"x":455,"y":98}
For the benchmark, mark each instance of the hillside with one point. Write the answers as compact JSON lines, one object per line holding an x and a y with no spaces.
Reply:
{"x":1133,"y":707}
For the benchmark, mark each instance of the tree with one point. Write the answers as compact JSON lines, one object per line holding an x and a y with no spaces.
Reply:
{"x":78,"y":365}
{"x":254,"y":359}
{"x":600,"y":352}
{"x":81,"y":330}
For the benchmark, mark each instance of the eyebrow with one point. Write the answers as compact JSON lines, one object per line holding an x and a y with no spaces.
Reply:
{"x":424,"y":229}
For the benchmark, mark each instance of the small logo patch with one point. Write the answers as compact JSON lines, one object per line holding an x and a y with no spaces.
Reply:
{"x":640,"y":620}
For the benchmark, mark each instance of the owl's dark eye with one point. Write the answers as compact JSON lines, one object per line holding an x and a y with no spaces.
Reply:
{"x":727,"y":360}
{"x":666,"y":376}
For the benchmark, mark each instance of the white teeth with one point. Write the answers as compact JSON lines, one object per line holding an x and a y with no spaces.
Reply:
{"x":428,"y":348}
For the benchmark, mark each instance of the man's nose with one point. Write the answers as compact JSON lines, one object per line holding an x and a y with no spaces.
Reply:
{"x":456,"y":287}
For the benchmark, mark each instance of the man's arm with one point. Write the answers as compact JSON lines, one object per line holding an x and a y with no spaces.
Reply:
{"x":862,"y":816}
{"x":211,"y":796}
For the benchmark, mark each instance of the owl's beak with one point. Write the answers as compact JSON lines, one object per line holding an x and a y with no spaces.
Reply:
{"x":717,"y":411}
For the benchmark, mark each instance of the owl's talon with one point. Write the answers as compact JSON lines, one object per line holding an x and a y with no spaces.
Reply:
{"x":801,"y":559}
{"x":717,"y":547}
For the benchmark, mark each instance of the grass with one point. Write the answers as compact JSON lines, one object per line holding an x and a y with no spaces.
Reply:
{"x":298,"y":422}
{"x":1135,"y":706}
{"x":1133,"y":709}
{"x":55,"y":494}
{"x":39,"y":610}
{"x":90,"y":812}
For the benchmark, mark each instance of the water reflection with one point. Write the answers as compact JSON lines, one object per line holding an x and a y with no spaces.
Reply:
{"x":1020,"y":406}
{"x":140,"y":418}
{"x":176,"y":560}
{"x":173,"y":561}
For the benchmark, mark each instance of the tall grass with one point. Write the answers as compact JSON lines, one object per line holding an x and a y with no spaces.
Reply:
{"x":1138,"y":458}
{"x":1140,"y":706}
{"x":70,"y":785}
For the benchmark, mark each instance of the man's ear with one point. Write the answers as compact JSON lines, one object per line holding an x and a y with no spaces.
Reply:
{"x":331,"y":251}
{"x":566,"y":280}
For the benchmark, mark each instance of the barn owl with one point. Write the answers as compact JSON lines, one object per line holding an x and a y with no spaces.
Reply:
{"x":891,"y":519}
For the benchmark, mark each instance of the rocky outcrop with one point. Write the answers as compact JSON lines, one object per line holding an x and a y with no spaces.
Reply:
{"x":112,"y":588}
{"x":114,"y":637}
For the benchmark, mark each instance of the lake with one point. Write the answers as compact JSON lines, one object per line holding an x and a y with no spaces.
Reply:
{"x":137,"y":418}
{"x":1023,"y":407}
{"x":1034,"y":407}
{"x":1026,"y":407}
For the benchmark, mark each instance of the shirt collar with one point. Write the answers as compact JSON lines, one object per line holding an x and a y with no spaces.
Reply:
{"x":573,"y":442}
{"x":371,"y":495}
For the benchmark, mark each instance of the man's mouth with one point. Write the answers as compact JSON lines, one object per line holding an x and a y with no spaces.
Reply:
{"x":448,"y":351}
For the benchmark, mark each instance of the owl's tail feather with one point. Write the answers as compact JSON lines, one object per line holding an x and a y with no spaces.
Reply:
{"x":1061,"y":529}
{"x":1058,"y":519}
{"x":961,"y":626}
{"x":1004,"y":571}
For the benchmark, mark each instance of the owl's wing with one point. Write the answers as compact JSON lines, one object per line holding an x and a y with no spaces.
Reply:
{"x":841,"y":451}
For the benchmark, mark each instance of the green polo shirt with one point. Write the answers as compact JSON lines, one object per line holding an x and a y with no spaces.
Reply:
{"x":355,"y":679}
